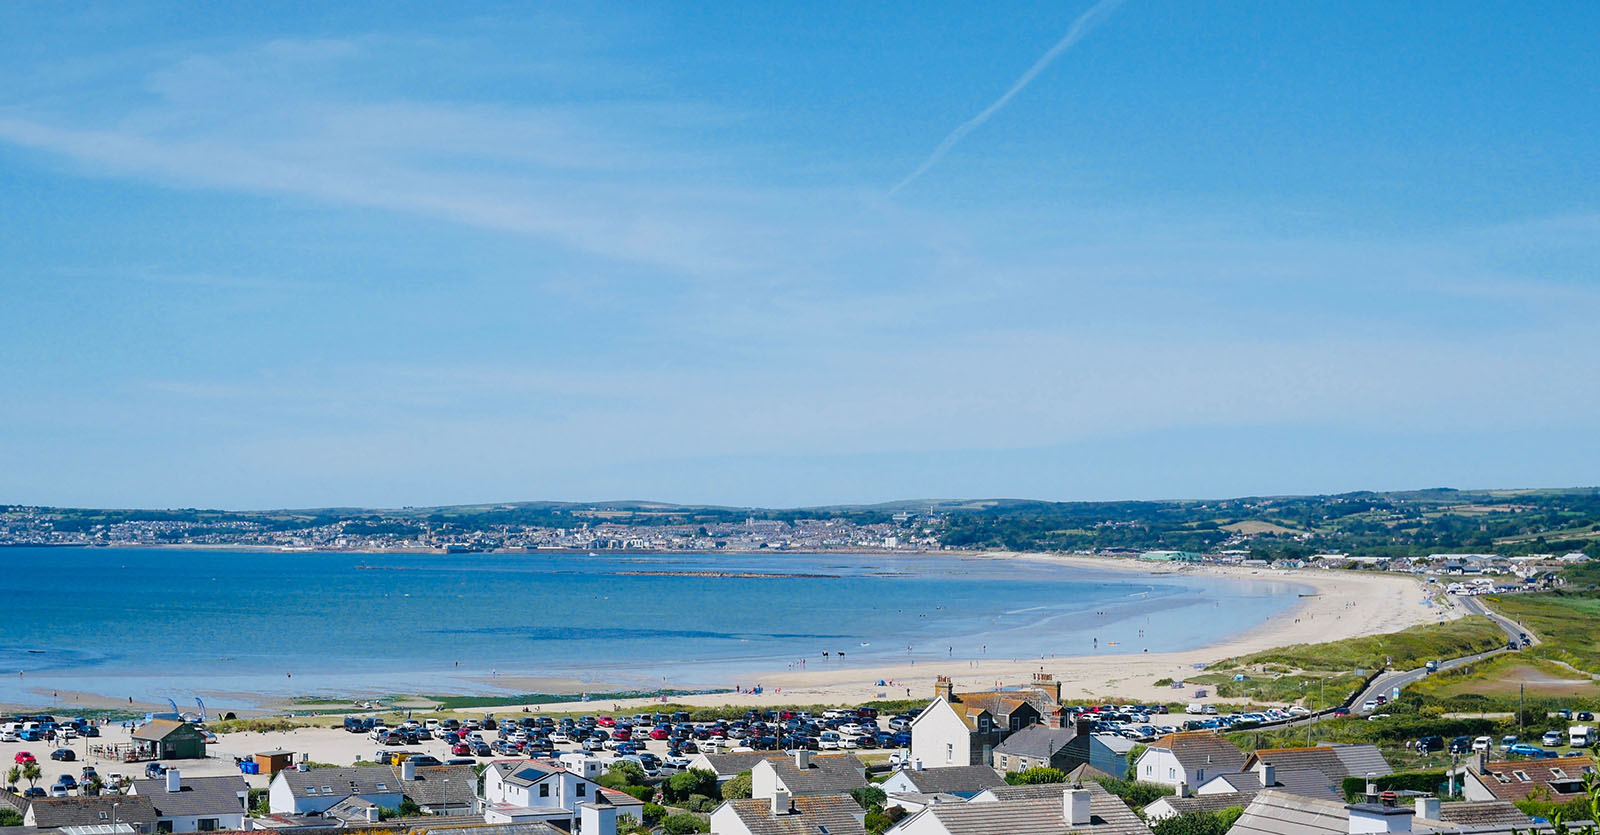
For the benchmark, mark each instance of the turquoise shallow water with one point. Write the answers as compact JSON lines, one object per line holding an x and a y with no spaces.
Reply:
{"x":156,"y":624}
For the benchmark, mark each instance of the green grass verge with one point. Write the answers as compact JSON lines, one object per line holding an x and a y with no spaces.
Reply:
{"x":1408,"y":648}
{"x":1567,"y":623}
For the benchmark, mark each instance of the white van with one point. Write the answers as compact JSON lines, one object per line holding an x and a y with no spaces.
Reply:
{"x":1195,"y":709}
{"x":1580,"y":736}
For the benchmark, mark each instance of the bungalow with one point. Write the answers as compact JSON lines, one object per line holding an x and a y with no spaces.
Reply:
{"x":313,"y":791}
{"x":169,"y":739}
{"x":963,"y":781}
{"x":1041,"y":746}
{"x":196,"y":804}
{"x":1188,"y":758}
{"x":1336,"y":760}
{"x":964,"y":729}
{"x":108,"y":810}
{"x":1174,"y":805}
{"x":784,"y":815}
{"x":1044,"y":809}
{"x":731,"y":765}
{"x":1561,"y":778}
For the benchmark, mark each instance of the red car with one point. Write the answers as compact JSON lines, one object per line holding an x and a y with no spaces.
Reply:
{"x":623,"y":735}
{"x":606,"y":722}
{"x":660,"y":733}
{"x":23,"y":758}
{"x":461,"y":749}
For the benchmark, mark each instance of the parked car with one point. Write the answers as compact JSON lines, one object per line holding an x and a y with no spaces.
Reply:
{"x":1429,"y":743}
{"x":1461,"y":745}
{"x":1482,"y":743}
{"x":24,"y":757}
{"x":64,"y":755}
{"x":67,"y":780}
{"x":1523,"y":749}
{"x":1551,"y":738}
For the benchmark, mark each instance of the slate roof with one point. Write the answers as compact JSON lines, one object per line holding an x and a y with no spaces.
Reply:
{"x":341,"y":782}
{"x":954,"y":779}
{"x":1336,"y":761}
{"x":1305,"y":783}
{"x":1277,"y":813}
{"x":1108,"y":815}
{"x":1202,"y":749}
{"x":823,"y":775}
{"x":1204,"y":802}
{"x":807,"y":816}
{"x":1515,"y":780}
{"x":1088,"y":772}
{"x":1006,"y":794}
{"x":1036,"y":741}
{"x":54,"y":812}
{"x":532,"y":828}
{"x":741,"y":761}
{"x":197,"y":796}
{"x":452,"y":785}
{"x":1483,"y":813}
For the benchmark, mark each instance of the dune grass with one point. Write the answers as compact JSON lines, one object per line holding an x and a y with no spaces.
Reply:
{"x":1407,"y":648}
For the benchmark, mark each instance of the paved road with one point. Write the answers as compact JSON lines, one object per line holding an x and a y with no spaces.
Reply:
{"x":1385,"y":683}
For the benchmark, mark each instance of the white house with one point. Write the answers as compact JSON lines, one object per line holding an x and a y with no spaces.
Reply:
{"x":316,"y":790}
{"x":805,"y":775}
{"x":195,"y":804}
{"x":964,"y":729}
{"x":962,"y":780}
{"x":558,"y":792}
{"x":1187,"y":759}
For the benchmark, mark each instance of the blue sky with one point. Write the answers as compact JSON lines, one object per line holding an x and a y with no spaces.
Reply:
{"x":264,"y":255}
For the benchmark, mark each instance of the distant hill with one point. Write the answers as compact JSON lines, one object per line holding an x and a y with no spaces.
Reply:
{"x":1400,"y":523}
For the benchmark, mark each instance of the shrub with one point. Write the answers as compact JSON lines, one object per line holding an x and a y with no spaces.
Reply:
{"x":682,"y":824}
{"x":869,"y":797}
{"x":1416,"y":781}
{"x":737,"y":788}
{"x":1036,"y":776}
{"x":653,"y":813}
{"x":623,"y":773}
{"x":10,"y":817}
{"x":1198,"y":823}
{"x":700,"y":803}
{"x":644,"y":793}
{"x":680,"y":786}
{"x":630,"y":825}
{"x":1135,"y":793}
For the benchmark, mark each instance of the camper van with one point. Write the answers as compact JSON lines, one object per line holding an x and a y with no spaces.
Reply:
{"x":1580,"y":736}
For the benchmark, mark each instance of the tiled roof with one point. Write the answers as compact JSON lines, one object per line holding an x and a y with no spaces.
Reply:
{"x":436,"y":785}
{"x":1205,"y":802}
{"x":1305,"y":783}
{"x":196,"y":796}
{"x":823,"y":775}
{"x":1483,"y":813}
{"x":1336,"y":761}
{"x":1108,"y":815}
{"x":1202,"y":749}
{"x":1280,"y":813}
{"x":158,"y":729}
{"x":1036,"y":741}
{"x":340,"y":782}
{"x":55,"y":812}
{"x":740,"y":761}
{"x":835,"y":814}
{"x":1515,"y":780}
{"x":954,"y":779}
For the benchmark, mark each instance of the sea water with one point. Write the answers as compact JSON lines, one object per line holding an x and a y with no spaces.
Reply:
{"x":154,"y":624}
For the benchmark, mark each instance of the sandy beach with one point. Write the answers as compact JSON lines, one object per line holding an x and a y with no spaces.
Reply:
{"x":1343,"y":605}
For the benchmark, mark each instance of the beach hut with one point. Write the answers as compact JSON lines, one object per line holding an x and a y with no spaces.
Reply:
{"x":272,"y":762}
{"x":169,"y":739}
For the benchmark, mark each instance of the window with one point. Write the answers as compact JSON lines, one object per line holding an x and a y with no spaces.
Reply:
{"x":1149,"y":770}
{"x":949,"y":752}
{"x":583,"y":790}
{"x":544,"y":789}
{"x":164,"y":827}
{"x":383,"y":787}
{"x":1200,"y":776}
{"x":327,"y":789}
{"x":1172,"y":774}
{"x":208,"y":824}
{"x":1522,"y":776}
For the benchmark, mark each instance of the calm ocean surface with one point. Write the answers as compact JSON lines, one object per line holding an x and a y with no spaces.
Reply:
{"x":154,"y":624}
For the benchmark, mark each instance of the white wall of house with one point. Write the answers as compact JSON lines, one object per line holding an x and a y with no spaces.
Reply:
{"x":724,"y":821}
{"x":1158,"y":765}
{"x":560,"y":788}
{"x":764,"y":780}
{"x":939,"y":737}
{"x":922,"y":823}
{"x":1473,"y":789}
{"x":282,"y":801}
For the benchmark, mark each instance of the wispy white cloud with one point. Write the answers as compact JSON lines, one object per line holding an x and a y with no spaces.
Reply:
{"x":1080,"y":27}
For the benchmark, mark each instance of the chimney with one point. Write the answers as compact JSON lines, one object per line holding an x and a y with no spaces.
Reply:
{"x":408,"y":770}
{"x":1428,"y":807}
{"x":174,"y":782}
{"x":802,"y":758}
{"x":943,"y":688}
{"x":594,"y":819}
{"x":1268,"y":774}
{"x":780,"y":802}
{"x":374,"y":814}
{"x":1075,"y":807}
{"x":1084,"y":726}
{"x":1048,"y":683}
{"x":1384,"y":816}
{"x":916,"y":765}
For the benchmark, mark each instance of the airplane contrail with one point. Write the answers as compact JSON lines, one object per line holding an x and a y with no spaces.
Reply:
{"x":1080,"y":27}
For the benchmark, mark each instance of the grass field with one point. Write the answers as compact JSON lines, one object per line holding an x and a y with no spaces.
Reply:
{"x":1407,"y":648}
{"x":1507,"y":676}
{"x":1567,"y":623}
